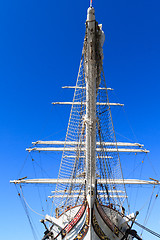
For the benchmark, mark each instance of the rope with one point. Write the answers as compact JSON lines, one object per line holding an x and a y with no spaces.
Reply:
{"x":145,"y":228}
{"x":150,"y":208}
{"x":114,"y":137}
{"x":158,"y":176}
{"x":149,"y":205}
{"x":126,"y":116}
{"x":37,"y":185}
{"x":144,"y":204}
{"x":44,"y":189}
{"x":22,"y":166}
{"x":137,"y":192}
{"x":28,"y":204}
{"x":148,"y":230}
{"x":27,"y":213}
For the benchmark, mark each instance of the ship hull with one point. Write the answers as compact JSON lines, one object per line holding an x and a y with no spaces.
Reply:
{"x":105,"y":223}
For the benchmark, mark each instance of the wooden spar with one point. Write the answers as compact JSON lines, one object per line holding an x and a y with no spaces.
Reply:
{"x":82,"y":196}
{"x":77,"y":87}
{"x":72,"y":149}
{"x":84,"y":103}
{"x":82,"y":181}
{"x":98,"y":157}
{"x":82,"y":191}
{"x":124,"y":144}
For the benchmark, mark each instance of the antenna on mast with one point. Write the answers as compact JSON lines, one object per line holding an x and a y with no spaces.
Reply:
{"x":90,"y":3}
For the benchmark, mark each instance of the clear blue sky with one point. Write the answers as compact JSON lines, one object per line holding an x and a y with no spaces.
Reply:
{"x":40,"y":50}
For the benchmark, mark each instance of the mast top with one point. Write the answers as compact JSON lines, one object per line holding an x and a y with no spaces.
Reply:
{"x":90,"y":3}
{"x":90,"y":14}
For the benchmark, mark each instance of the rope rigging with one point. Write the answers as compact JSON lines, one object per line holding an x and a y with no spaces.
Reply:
{"x":37,"y":186}
{"x":27,"y":213}
{"x":143,"y":227}
{"x":114,"y":137}
{"x":150,"y":207}
{"x":24,"y":200}
{"x":140,"y":174}
{"x":148,"y":230}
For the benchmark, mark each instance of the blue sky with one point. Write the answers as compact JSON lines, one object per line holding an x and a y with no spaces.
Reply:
{"x":40,"y":50}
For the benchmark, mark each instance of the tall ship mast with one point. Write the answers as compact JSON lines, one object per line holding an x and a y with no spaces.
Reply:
{"x":90,"y":197}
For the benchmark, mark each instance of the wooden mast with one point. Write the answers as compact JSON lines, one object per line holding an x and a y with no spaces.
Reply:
{"x":90,"y":78}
